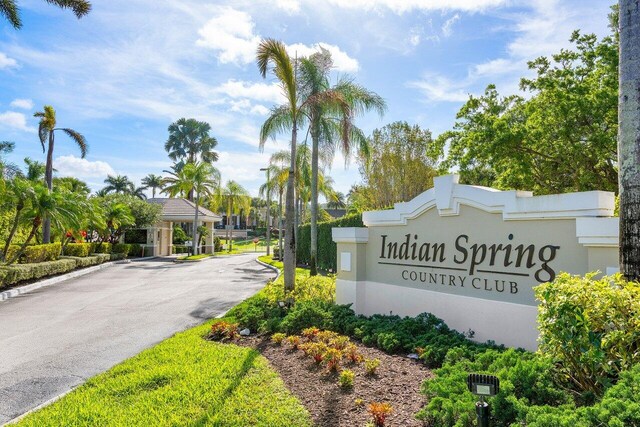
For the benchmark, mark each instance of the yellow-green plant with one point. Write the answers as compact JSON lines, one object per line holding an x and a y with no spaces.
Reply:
{"x":278,"y":338}
{"x":346,"y":378}
{"x":371,"y":366}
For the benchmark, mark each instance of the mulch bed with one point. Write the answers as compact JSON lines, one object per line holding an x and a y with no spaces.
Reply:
{"x":397,"y":381}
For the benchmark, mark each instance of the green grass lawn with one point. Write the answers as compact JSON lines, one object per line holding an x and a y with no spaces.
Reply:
{"x":194,"y":257}
{"x":243,"y":246}
{"x":184,"y":380}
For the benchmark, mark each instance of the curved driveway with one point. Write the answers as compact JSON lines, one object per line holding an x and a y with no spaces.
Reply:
{"x":57,"y":337}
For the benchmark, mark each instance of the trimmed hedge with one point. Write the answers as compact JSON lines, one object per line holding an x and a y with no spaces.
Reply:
{"x":180,"y":249}
{"x":13,"y":274}
{"x":77,"y":249}
{"x":121,"y":248}
{"x":327,"y":249}
{"x":36,"y":253}
{"x":86,"y":261}
{"x":101,"y":248}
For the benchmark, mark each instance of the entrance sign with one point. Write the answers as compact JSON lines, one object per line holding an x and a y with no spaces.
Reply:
{"x":472,"y":255}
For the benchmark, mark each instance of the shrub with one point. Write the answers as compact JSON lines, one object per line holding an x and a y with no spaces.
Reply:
{"x":380,"y":412}
{"x":101,"y":248}
{"x":224,"y":331}
{"x":589,"y":328}
{"x":138,"y":236}
{"x":277,"y":338}
{"x":136,"y":250}
{"x":294,"y":341}
{"x":352,"y":354}
{"x":332,"y":357}
{"x":371,"y":366}
{"x":327,"y":249}
{"x":310,"y":333}
{"x":346,"y":378}
{"x":121,"y":248}
{"x":22,"y":272}
{"x":77,"y":249}
{"x":304,"y":315}
{"x":86,"y":261}
{"x":316,"y":350}
{"x":217,"y":244}
{"x":103,"y":257}
{"x":36,"y":253}
{"x":180,"y":249}
{"x":116,"y":257}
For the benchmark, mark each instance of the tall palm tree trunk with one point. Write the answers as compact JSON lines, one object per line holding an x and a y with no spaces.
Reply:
{"x":48,"y":179}
{"x":290,"y":220}
{"x":14,"y":228}
{"x":629,"y":139}
{"x":196,"y":240}
{"x":314,"y":196}
{"x":34,"y":228}
{"x":280,"y":225}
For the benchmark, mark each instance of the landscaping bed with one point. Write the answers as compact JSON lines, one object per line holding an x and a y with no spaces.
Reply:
{"x":397,"y":381}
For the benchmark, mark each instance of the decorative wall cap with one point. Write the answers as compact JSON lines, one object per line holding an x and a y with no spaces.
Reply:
{"x":602,"y":232}
{"x":447,"y":196}
{"x":350,"y":234}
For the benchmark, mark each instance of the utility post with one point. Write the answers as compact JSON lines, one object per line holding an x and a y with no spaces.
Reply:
{"x":268,"y":212}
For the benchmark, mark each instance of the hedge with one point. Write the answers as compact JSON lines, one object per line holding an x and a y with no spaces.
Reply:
{"x":136,"y":236}
{"x":121,"y":248}
{"x":13,"y":274}
{"x":327,"y":249}
{"x":36,"y":253}
{"x":86,"y":261}
{"x":101,"y":248}
{"x":77,"y":249}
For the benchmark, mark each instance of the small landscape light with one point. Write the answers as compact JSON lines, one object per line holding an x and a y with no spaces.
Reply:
{"x":483,"y":386}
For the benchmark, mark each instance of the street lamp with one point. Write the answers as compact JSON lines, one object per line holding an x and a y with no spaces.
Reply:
{"x":268,"y":212}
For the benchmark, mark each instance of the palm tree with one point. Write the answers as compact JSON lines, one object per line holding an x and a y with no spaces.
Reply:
{"x":629,"y":139}
{"x":73,"y":185}
{"x":153,"y":182}
{"x":282,"y":118}
{"x":330,"y":111}
{"x":278,"y":178}
{"x":57,"y":206}
{"x":46,"y":131}
{"x":7,"y":170}
{"x":35,"y":170}
{"x":9,"y":9}
{"x":199,"y":179}
{"x":338,"y":202}
{"x":18,"y":194}
{"x":232,"y":196}
{"x":119,"y":184}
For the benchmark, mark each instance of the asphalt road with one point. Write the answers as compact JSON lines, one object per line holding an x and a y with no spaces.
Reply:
{"x":57,"y":337}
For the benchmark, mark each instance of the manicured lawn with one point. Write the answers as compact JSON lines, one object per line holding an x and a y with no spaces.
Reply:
{"x":244,"y":246}
{"x":184,"y":380}
{"x":194,"y":257}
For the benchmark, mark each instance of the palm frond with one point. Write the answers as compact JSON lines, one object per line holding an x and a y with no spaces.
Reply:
{"x":80,"y":8}
{"x":10,"y":10}
{"x":78,"y":138}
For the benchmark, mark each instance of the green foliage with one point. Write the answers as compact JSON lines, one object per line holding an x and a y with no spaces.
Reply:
{"x":306,"y":314}
{"x":138,"y":236}
{"x":184,"y":380}
{"x":525,"y":142}
{"x":590,"y":329}
{"x":101,"y":248}
{"x":36,"y":253}
{"x":179,"y":236}
{"x":371,"y":366}
{"x":13,"y":274}
{"x":86,"y":261}
{"x":121,"y":248}
{"x":347,"y":376}
{"x":180,"y":249}
{"x":327,"y":249}
{"x":217,"y":244}
{"x":136,"y":250}
{"x":77,"y":249}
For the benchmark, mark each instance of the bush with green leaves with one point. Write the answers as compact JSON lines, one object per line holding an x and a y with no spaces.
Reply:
{"x":77,"y":249}
{"x":327,"y":249}
{"x":121,"y":248}
{"x":36,"y":253}
{"x":589,"y":327}
{"x":85,"y":261}
{"x":16,"y":273}
{"x":101,"y":248}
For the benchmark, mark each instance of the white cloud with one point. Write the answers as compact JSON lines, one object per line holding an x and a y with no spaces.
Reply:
{"x":341,"y":60}
{"x":266,"y":92}
{"x":82,"y":168}
{"x":25,"y":104}
{"x":447,"y":29}
{"x":289,"y":6}
{"x":15,"y":121}
{"x":231,"y":34}
{"x":438,"y":88}
{"x":402,"y":6}
{"x":6,"y":62}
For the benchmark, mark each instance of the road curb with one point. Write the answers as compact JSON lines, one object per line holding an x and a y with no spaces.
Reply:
{"x":21,"y":290}
{"x":269,"y":266}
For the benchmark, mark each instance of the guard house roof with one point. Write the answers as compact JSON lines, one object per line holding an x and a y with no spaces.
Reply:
{"x":183,"y":210}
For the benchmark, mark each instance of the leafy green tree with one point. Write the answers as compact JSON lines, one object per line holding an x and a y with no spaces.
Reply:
{"x":73,"y":185}
{"x":398,"y":166}
{"x":331,"y":112}
{"x":44,"y":203}
{"x":9,"y":9}
{"x":562,"y":138}
{"x":288,"y":116}
{"x":46,"y":131}
{"x":35,"y":170}
{"x":153,"y":182}
{"x":233,"y":197}
{"x":7,"y":169}
{"x":629,"y":140}
{"x":199,"y":179}
{"x":16,"y":198}
{"x":119,"y":184}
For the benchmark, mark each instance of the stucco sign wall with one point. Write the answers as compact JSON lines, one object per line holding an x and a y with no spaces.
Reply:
{"x":472,"y":255}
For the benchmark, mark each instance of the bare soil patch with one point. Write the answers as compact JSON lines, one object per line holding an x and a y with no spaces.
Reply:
{"x":397,"y":382}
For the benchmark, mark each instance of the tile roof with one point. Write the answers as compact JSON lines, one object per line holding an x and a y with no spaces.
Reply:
{"x":183,"y":208}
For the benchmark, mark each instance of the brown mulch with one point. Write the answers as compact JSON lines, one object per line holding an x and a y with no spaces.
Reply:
{"x":397,"y":381}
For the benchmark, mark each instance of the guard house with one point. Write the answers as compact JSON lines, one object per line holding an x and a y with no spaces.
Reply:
{"x":177,"y":211}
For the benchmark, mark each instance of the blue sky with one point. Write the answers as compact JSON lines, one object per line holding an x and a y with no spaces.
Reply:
{"x":123,"y":73}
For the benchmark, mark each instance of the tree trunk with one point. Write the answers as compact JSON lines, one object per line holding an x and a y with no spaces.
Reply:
{"x":314,"y":197}
{"x":280,"y":249}
{"x":14,"y":228}
{"x":232,"y":225}
{"x":48,"y":179}
{"x":290,"y":219}
{"x":268,"y":215}
{"x":34,"y":229}
{"x":629,"y":139}
{"x":196,"y":240}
